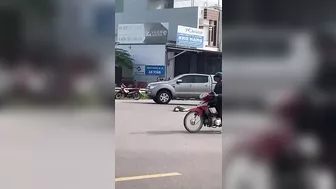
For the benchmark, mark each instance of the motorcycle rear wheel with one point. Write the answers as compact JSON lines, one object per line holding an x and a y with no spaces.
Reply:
{"x":118,"y":95}
{"x":197,"y":125}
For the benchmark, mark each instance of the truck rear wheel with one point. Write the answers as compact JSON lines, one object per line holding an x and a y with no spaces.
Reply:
{"x":163,"y":97}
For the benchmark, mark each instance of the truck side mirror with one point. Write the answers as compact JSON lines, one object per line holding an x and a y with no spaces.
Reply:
{"x":179,"y":81}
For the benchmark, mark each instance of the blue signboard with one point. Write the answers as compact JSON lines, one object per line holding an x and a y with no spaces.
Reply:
{"x":155,"y":70}
{"x":188,"y":40}
{"x":189,"y":37}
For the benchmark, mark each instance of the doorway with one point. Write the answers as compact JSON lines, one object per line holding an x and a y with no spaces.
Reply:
{"x":182,"y":64}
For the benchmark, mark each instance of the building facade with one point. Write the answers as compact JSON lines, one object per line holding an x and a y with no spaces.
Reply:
{"x":76,"y":27}
{"x":176,"y":59}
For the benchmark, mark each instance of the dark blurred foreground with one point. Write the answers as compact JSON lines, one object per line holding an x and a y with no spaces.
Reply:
{"x":55,"y":58}
{"x":56,"y":82}
{"x":295,"y":85}
{"x":49,"y":53}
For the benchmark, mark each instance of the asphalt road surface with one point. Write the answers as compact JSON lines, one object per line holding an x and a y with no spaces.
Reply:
{"x":58,"y":148}
{"x":54,"y":149}
{"x":153,"y":150}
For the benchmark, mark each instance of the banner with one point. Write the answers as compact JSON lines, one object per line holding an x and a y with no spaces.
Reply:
{"x":146,"y":33}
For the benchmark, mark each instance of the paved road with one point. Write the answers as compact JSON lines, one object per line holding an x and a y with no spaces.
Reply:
{"x":56,"y":149}
{"x":75,"y":149}
{"x":151,"y":140}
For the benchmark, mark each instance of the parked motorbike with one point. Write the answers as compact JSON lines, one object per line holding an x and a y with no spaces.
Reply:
{"x":205,"y":114}
{"x":128,"y":93}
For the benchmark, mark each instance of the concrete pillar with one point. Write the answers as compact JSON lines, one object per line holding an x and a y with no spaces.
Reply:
{"x":170,"y":66}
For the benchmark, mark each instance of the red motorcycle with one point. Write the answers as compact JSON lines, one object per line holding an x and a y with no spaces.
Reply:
{"x":128,"y":93}
{"x":205,"y":114}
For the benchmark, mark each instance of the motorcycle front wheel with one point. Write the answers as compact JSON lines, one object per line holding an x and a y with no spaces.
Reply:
{"x":118,"y":95}
{"x":193,"y":122}
{"x":136,"y":96}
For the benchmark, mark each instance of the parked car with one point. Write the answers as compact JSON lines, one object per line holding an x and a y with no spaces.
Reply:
{"x":259,"y":64}
{"x":185,"y":86}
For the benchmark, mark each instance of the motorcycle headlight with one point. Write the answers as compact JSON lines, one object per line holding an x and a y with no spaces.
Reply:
{"x":203,"y":95}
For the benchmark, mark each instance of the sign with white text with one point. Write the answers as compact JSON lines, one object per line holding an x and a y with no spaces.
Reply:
{"x":190,"y":37}
{"x":155,"y":70}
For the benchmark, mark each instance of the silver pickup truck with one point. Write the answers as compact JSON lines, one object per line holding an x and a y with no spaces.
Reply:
{"x":186,"y":86}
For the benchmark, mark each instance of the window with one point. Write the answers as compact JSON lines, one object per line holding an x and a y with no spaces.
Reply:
{"x":209,"y":37}
{"x":160,"y":4}
{"x":201,"y":79}
{"x":188,"y":79}
{"x":212,"y":29}
{"x":169,"y":4}
{"x":119,"y":6}
{"x":195,"y":79}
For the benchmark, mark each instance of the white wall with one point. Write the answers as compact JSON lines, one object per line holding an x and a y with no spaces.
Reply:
{"x":145,"y":55}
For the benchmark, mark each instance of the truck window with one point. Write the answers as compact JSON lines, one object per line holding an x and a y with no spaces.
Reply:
{"x":195,"y":79}
{"x":188,"y":79}
{"x":201,"y":79}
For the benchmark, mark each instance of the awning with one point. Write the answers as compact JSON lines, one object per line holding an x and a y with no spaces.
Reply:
{"x":179,"y":48}
{"x":184,"y":49}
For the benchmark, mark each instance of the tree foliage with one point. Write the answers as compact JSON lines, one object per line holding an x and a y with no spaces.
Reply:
{"x":123,"y":58}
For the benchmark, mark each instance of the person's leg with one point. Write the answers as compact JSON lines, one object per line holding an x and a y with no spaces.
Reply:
{"x":219,"y":107}
{"x":219,"y":111}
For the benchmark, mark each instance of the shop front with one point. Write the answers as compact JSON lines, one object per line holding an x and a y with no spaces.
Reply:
{"x":189,"y":55}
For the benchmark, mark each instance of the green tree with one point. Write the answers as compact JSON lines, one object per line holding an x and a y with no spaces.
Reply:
{"x":123,"y":58}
